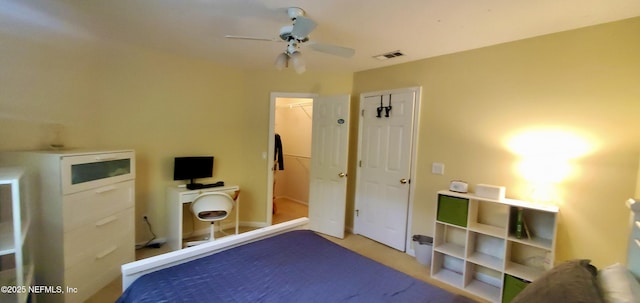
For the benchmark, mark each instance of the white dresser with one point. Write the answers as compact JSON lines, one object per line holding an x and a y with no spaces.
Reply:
{"x":85,"y":218}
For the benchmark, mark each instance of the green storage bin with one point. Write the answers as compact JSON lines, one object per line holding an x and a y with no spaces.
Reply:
{"x":512,"y":287}
{"x":453,"y":210}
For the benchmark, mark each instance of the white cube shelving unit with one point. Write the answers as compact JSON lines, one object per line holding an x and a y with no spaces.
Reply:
{"x":16,"y":263}
{"x":476,"y":249}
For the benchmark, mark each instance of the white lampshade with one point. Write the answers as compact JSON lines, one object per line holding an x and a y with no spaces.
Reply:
{"x":281,"y":61}
{"x":298,"y":62}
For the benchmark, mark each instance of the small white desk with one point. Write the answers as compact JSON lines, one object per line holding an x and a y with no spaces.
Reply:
{"x":177,"y":197}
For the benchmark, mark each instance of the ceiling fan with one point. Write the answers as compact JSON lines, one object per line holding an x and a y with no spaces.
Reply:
{"x":297,"y":35}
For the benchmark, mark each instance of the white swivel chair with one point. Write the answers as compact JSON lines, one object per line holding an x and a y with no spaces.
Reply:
{"x":211,"y":207}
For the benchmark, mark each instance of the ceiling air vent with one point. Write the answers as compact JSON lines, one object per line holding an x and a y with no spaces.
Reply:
{"x":389,"y":55}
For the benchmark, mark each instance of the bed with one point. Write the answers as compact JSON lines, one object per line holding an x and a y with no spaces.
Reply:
{"x":308,"y":268}
{"x":280,"y":263}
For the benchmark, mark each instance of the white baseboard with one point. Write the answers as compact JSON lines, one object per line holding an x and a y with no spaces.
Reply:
{"x":411,"y":252}
{"x":256,"y":224}
{"x":293,"y":200}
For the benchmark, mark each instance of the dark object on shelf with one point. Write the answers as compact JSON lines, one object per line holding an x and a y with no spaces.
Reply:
{"x":200,"y":185}
{"x":519,"y":223}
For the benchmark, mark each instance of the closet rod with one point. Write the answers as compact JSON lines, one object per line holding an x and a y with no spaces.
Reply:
{"x":297,"y":156}
{"x":296,"y":104}
{"x":300,"y":104}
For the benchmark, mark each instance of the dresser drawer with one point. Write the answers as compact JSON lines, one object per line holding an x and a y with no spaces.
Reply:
{"x":93,"y":274}
{"x":93,"y":170}
{"x":89,"y":206}
{"x":96,"y":240}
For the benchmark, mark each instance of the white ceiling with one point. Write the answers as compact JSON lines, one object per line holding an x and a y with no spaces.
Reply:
{"x":418,"y":28}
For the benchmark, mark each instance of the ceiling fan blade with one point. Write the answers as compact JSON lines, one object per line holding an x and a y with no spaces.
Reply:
{"x":302,"y":27}
{"x":252,"y":38}
{"x":332,"y":49}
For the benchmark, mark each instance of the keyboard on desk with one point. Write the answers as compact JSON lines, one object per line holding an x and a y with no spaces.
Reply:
{"x":193,"y":186}
{"x":217,"y":184}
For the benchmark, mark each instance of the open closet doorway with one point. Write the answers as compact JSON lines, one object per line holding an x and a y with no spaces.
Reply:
{"x":293,"y":117}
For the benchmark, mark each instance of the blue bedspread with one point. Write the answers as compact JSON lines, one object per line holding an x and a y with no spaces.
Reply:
{"x":298,"y":266}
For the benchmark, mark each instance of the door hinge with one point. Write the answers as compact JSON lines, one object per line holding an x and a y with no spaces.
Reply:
{"x":357,"y":212}
{"x":360,"y":163}
{"x":362,"y":113}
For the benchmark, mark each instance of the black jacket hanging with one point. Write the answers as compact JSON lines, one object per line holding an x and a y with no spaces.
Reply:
{"x":277,"y":155}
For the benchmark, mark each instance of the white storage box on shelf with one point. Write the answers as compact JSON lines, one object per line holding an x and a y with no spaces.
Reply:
{"x":490,"y":191}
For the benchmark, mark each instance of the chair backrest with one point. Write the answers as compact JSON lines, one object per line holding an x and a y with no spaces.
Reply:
{"x":212,"y":206}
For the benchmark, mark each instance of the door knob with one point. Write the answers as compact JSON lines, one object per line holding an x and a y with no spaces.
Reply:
{"x":342,"y":175}
{"x":404,"y":181}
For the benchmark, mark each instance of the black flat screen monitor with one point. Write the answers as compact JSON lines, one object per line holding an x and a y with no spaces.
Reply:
{"x":191,"y":168}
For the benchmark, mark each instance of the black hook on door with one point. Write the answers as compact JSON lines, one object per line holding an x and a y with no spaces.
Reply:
{"x":380,"y":108}
{"x":387,"y":109}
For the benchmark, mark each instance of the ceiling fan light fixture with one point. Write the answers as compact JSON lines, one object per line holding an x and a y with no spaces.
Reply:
{"x":281,"y":61}
{"x":298,"y":62}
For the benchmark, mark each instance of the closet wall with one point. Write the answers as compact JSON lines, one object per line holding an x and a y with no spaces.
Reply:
{"x":293,"y":123}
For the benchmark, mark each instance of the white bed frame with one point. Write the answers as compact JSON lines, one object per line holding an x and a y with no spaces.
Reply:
{"x":134,"y":270}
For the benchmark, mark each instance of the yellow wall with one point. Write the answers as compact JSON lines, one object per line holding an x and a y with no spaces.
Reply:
{"x":162,"y":106}
{"x":583,"y":82}
{"x":165,"y":106}
{"x":46,"y":91}
{"x":638,"y":183}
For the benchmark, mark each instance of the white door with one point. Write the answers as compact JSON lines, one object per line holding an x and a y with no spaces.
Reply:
{"x":384,"y":167}
{"x":329,"y":154}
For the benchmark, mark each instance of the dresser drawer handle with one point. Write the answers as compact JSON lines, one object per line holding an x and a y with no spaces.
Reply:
{"x":106,"y":221}
{"x":105,"y":189}
{"x":106,"y":253}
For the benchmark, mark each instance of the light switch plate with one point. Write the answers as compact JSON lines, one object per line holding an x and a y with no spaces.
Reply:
{"x":437,"y":168}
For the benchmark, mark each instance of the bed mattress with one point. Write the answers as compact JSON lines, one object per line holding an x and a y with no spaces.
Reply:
{"x":298,"y":266}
